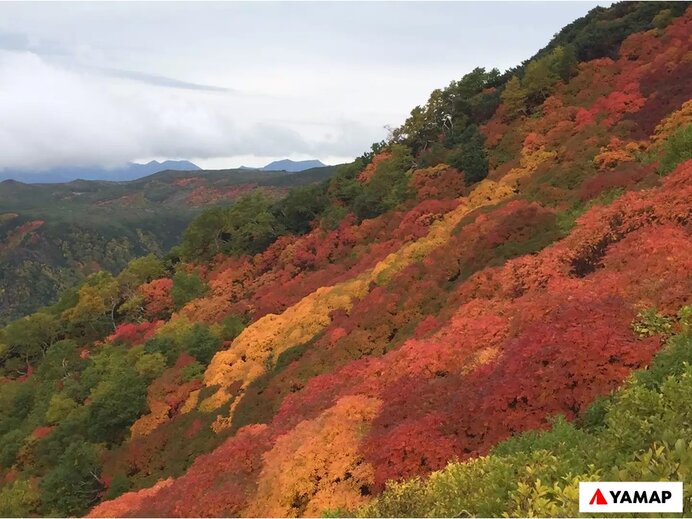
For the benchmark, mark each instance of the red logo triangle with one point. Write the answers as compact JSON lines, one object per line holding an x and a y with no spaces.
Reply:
{"x":598,"y":498}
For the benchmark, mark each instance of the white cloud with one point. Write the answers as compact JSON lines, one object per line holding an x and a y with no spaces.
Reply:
{"x":55,"y":116}
{"x":107,"y":83}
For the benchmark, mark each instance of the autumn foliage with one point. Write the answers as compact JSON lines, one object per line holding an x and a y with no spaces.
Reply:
{"x":380,"y":349}
{"x":457,"y":326}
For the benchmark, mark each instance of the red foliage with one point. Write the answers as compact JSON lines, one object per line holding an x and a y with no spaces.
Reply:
{"x":623,"y":176}
{"x":134,"y":334}
{"x":438,"y":182}
{"x":42,"y":432}
{"x":616,"y":104}
{"x":157,"y":297}
{"x":534,"y":141}
{"x":539,"y":371}
{"x":25,"y":376}
{"x":10,"y":476}
{"x":665,"y":72}
{"x":583,"y":118}
{"x":300,"y":265}
{"x":230,"y":471}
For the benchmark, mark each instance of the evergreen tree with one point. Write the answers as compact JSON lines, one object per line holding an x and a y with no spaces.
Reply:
{"x":472,"y":158}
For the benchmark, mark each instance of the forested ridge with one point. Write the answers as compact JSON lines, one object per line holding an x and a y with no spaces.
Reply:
{"x":52,"y":236}
{"x":473,"y":316}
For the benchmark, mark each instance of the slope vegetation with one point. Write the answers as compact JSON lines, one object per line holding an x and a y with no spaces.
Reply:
{"x":469,"y":319}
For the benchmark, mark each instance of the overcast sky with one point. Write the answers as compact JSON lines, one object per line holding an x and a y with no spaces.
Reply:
{"x":225,"y":84}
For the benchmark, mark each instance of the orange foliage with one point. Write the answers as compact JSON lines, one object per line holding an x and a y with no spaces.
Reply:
{"x":125,"y":504}
{"x":157,"y":297}
{"x":317,"y":466}
{"x":42,"y":432}
{"x":615,"y":153}
{"x":370,"y":169}
{"x":670,"y":124}
{"x":271,"y":335}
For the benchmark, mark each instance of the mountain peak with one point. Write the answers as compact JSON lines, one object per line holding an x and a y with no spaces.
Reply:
{"x":290,"y":166}
{"x":293,"y":165}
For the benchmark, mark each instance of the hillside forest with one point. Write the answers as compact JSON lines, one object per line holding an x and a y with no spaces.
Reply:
{"x":55,"y":235}
{"x":481,"y":311}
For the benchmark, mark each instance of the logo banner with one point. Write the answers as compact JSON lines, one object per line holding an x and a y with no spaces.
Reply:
{"x":631,"y":497}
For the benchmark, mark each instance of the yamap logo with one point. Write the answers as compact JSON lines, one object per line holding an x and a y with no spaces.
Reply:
{"x":598,"y":498}
{"x":630,"y":497}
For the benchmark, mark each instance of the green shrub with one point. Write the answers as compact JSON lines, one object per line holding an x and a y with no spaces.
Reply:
{"x":676,"y":150}
{"x":73,"y":486}
{"x":650,"y":322}
{"x":118,"y":486}
{"x":164,"y":345}
{"x":201,"y":343}
{"x":471,"y":158}
{"x":116,"y":402}
{"x":187,"y":287}
{"x":193,"y":371}
{"x":232,"y":325}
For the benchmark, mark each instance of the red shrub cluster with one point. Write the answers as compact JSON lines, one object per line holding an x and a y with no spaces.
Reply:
{"x":158,"y":301}
{"x":134,"y":334}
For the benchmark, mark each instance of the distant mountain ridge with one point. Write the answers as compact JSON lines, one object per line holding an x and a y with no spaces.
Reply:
{"x":291,"y":166}
{"x":135,"y":171}
{"x":131,"y":171}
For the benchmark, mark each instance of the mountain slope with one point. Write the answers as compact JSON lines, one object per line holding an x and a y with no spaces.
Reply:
{"x":442,"y":299}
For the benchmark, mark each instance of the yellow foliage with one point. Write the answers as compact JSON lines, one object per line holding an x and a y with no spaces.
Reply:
{"x":439,"y":233}
{"x":257,"y":347}
{"x":531,"y":158}
{"x":317,"y":465}
{"x":191,"y":403}
{"x":158,"y":414}
{"x":611,"y":158}
{"x":617,"y":152}
{"x":489,"y":192}
{"x":537,"y":499}
{"x":671,"y":123}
